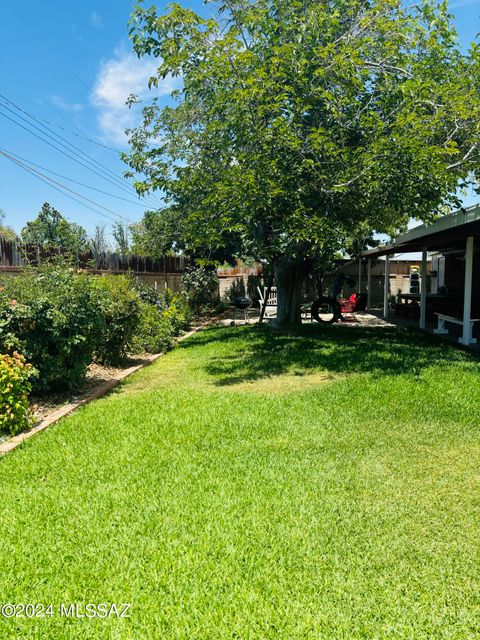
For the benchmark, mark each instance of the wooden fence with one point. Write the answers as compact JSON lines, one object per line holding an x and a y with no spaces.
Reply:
{"x":14,"y":255}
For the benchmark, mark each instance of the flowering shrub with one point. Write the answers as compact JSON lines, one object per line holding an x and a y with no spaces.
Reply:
{"x":174,"y":306}
{"x":158,"y":323}
{"x":56,"y":322}
{"x":63,"y":320}
{"x":15,"y":374}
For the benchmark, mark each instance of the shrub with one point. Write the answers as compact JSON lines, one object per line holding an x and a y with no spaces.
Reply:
{"x":201,"y":286}
{"x":154,"y":331}
{"x":120,"y":308}
{"x":51,"y":314}
{"x":145,"y":292}
{"x":175,"y":307}
{"x":15,"y":386}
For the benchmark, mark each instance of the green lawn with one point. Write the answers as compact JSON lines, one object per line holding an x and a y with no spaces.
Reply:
{"x":256,"y":485}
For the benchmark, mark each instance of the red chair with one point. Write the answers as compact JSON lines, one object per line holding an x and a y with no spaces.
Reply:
{"x":350,"y":306}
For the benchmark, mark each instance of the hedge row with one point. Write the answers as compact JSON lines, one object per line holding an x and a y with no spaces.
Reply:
{"x":62,"y":320}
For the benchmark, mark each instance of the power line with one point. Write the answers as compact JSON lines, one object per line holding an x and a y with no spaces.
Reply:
{"x":82,"y":184}
{"x":41,"y":120}
{"x":57,"y":148}
{"x":68,"y":155}
{"x":62,"y":186}
{"x":62,"y":115}
{"x":82,"y":137}
{"x":58,"y":139}
{"x":69,"y":196}
{"x":153,"y":197}
{"x":66,"y":144}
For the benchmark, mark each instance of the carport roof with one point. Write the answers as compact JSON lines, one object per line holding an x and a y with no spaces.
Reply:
{"x":446,"y":233}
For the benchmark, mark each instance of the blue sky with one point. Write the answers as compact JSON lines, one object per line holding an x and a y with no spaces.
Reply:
{"x":70,"y":65}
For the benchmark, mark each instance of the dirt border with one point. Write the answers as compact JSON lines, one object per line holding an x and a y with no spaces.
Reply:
{"x":12,"y":443}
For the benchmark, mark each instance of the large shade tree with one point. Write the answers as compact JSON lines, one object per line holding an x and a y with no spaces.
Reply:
{"x":301,"y":124}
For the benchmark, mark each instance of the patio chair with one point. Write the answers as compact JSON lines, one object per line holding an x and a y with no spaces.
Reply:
{"x":349,"y":307}
{"x":271,"y":306}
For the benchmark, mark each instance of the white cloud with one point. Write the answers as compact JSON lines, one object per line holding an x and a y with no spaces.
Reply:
{"x":58,"y":101}
{"x":119,"y":77}
{"x":96,"y":20}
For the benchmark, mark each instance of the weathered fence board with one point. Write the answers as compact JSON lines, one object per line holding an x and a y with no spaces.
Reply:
{"x":13,"y":254}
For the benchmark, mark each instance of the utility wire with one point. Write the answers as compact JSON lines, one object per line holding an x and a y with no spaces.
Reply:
{"x":69,"y":196}
{"x":58,"y":139}
{"x":82,"y":184}
{"x":156,"y":199}
{"x":62,"y":186}
{"x":68,"y":155}
{"x":62,"y":115}
{"x":82,"y":137}
{"x":66,"y":144}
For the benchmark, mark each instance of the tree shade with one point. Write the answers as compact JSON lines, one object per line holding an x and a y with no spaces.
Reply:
{"x":301,"y":125}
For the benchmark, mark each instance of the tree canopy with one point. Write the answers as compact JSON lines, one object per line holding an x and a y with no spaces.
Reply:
{"x":6,"y":232}
{"x":51,"y":229}
{"x":300,"y":122}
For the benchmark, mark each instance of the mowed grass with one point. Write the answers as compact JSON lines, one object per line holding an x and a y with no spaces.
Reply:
{"x":251,"y":485}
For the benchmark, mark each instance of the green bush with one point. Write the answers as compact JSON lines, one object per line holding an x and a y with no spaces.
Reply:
{"x":236,"y":290}
{"x":145,"y":292}
{"x":62,"y":320}
{"x":15,"y":386}
{"x":202,"y":291}
{"x":175,"y":307}
{"x":120,"y":308}
{"x":51,"y":314}
{"x":154,"y":331}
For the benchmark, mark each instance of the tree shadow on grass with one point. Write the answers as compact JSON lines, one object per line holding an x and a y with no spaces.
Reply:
{"x":260,"y":352}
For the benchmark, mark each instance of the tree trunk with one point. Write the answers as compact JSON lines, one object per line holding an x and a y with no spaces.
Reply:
{"x":289,"y":276}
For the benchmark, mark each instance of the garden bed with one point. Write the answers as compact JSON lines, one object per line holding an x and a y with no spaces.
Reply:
{"x":50,"y":408}
{"x":100,"y":380}
{"x":97,"y":375}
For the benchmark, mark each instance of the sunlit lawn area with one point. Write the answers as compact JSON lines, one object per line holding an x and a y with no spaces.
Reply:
{"x":257,"y":485}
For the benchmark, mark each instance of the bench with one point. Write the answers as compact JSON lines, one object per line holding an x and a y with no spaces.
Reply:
{"x":442,"y":319}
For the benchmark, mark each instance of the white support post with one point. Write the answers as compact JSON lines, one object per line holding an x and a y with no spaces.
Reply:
{"x":466,"y":338}
{"x":359,"y":275}
{"x":386,"y":287}
{"x":369,"y":283}
{"x":423,"y":291}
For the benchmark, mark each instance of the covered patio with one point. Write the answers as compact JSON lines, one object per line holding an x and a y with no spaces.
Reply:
{"x":448,"y":300}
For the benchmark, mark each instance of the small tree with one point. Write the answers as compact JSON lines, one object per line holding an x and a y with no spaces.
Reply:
{"x":202,"y":290}
{"x":6,"y":232}
{"x":99,"y":242}
{"x":300,"y":122}
{"x":156,"y":234}
{"x":121,"y":236}
{"x":51,"y":229}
